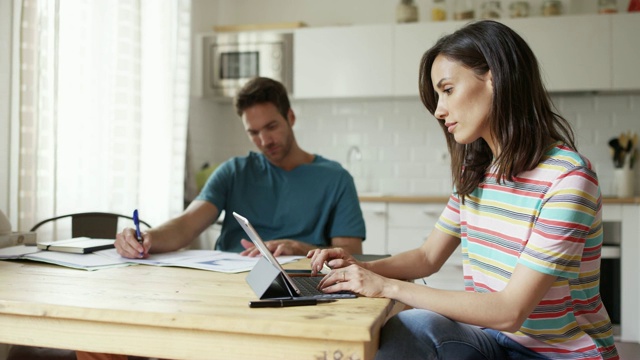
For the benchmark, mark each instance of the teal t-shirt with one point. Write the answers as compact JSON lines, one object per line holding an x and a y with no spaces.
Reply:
{"x":312,"y":203}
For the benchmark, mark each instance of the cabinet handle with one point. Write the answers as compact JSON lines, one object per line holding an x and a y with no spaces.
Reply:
{"x":379,"y":212}
{"x":431,"y":213}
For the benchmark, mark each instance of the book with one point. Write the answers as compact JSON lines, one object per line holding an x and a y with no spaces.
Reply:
{"x":79,"y":245}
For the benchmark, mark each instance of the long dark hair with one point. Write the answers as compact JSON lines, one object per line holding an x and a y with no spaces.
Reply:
{"x":522,"y":119}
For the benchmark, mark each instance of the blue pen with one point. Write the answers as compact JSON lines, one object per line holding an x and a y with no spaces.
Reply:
{"x":136,"y":221}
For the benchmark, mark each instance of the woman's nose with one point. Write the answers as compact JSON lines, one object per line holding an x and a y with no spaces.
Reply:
{"x":440,"y":112}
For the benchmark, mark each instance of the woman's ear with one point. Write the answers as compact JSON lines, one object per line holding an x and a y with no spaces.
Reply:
{"x":488,"y":77}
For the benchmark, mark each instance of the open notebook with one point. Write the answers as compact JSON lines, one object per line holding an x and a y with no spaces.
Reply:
{"x":269,"y":280}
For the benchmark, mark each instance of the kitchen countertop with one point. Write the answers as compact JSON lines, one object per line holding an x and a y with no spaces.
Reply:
{"x":423,"y":199}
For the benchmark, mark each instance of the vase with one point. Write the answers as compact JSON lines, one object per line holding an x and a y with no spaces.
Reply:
{"x":623,"y":182}
{"x":406,"y":11}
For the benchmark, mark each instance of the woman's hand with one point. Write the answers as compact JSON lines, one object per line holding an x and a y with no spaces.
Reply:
{"x":358,"y":280}
{"x":334,"y":258}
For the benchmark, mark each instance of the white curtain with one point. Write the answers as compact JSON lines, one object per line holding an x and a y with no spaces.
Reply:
{"x":103,"y":107}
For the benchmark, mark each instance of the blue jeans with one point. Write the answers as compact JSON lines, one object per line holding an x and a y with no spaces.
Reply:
{"x":423,"y":334}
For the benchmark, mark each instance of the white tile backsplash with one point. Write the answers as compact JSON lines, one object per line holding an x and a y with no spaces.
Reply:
{"x":403,"y":148}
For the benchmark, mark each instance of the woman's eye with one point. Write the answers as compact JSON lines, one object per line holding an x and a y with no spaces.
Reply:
{"x":447,"y":90}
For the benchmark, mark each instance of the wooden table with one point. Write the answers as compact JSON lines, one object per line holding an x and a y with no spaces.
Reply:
{"x":176,"y":313}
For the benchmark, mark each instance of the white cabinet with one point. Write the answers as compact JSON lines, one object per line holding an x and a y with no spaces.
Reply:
{"x":375,"y":219}
{"x":410,"y":224}
{"x":629,"y":218}
{"x":408,"y":227}
{"x":348,"y":61}
{"x":574,"y":52}
{"x":626,"y":51}
{"x":410,"y":43}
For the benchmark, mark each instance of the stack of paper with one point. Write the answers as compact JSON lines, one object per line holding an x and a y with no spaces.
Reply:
{"x":76,"y":261}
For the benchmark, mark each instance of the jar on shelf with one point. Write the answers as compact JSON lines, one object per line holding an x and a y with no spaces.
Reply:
{"x":490,"y":10}
{"x":607,"y":6}
{"x":551,"y":8}
{"x":464,"y":10}
{"x":519,"y":9}
{"x":439,"y":10}
{"x":406,"y":11}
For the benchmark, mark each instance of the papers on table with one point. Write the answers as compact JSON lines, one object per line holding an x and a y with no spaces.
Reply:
{"x":76,"y":261}
{"x":212,"y":260}
{"x":17,"y":251}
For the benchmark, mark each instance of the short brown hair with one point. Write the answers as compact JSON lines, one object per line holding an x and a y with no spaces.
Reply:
{"x":261,"y":90}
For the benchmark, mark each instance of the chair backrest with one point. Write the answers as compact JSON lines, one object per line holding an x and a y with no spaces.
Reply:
{"x":97,"y":225}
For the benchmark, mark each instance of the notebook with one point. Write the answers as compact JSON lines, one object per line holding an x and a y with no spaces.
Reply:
{"x":79,"y":245}
{"x":269,"y":280}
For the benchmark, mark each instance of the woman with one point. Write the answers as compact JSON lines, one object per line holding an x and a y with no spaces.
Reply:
{"x":526,"y":208}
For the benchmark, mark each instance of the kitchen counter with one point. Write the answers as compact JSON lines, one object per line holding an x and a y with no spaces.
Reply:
{"x":417,"y":199}
{"x":422,"y":199}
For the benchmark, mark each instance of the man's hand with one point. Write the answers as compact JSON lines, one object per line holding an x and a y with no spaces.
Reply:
{"x":277,"y":247}
{"x":128,"y":246}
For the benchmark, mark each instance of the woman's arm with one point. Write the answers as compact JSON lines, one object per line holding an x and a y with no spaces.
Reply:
{"x":417,"y":263}
{"x":504,"y":310}
{"x":413,"y":264}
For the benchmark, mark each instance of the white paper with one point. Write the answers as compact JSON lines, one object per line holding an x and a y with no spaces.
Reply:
{"x":16,"y":252}
{"x":77,"y":261}
{"x":212,"y":260}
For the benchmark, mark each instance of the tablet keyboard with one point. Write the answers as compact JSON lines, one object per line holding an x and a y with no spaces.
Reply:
{"x":308,"y":286}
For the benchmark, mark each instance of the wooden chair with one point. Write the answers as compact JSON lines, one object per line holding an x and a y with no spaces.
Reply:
{"x":97,"y":225}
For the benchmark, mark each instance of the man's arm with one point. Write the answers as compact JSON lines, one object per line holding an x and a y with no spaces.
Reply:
{"x":296,"y":247}
{"x":171,"y":235}
{"x":182,"y":230}
{"x":351,"y":244}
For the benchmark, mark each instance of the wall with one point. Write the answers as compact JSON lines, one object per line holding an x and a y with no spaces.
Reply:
{"x":6,"y":13}
{"x":403,"y":149}
{"x":6,"y":16}
{"x":340,"y":12}
{"x":402,"y":146}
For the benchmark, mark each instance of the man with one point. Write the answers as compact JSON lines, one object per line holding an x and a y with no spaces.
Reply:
{"x":300,"y":200}
{"x":296,"y":200}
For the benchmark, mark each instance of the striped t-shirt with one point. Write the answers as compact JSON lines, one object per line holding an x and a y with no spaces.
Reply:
{"x":548,"y":219}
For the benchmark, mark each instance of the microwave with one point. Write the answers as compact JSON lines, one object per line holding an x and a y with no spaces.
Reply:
{"x":232,"y":59}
